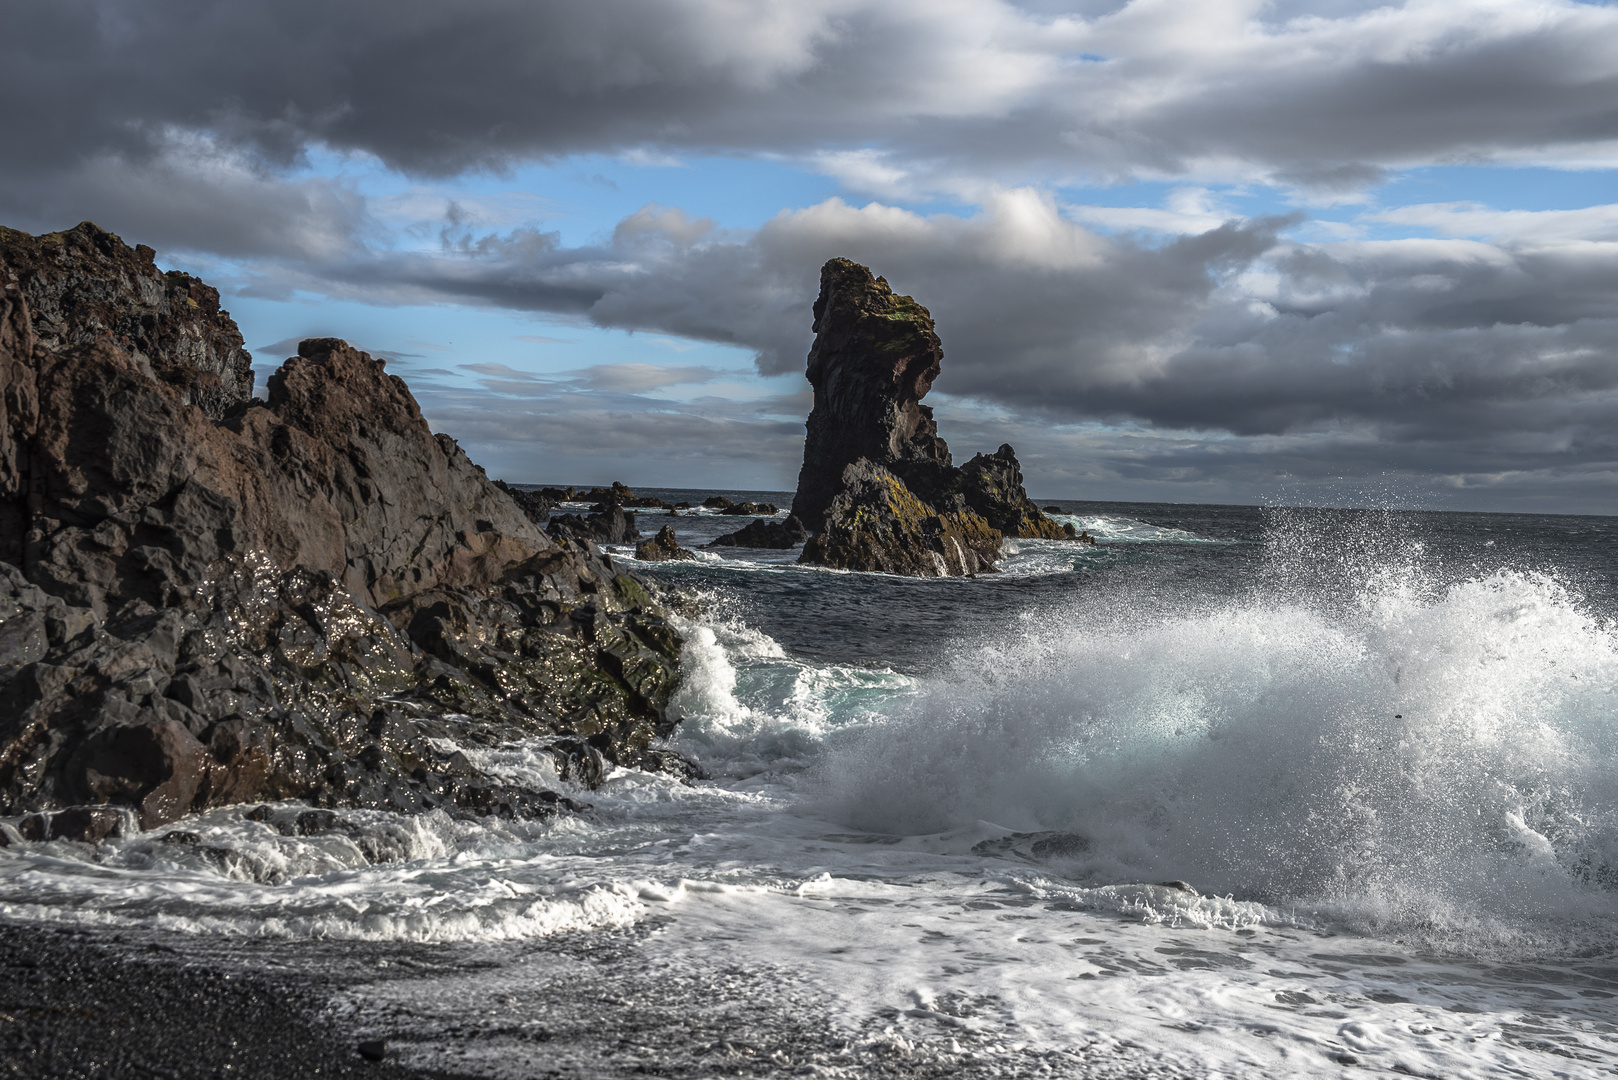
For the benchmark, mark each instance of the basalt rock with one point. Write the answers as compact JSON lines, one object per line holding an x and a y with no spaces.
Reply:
{"x":662,"y":547}
{"x":85,"y":285}
{"x":536,"y":504}
{"x":312,"y":597}
{"x":749,"y":509}
{"x":992,"y":485}
{"x":878,"y":489}
{"x":620,"y":495}
{"x":874,"y":358}
{"x":610,"y":525}
{"x":877,"y":523}
{"x":765,"y":534}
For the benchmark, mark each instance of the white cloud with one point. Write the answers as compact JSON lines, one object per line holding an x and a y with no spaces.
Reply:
{"x":1535,"y":228}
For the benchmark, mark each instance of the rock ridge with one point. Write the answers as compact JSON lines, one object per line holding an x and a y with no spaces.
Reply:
{"x":208,"y":599}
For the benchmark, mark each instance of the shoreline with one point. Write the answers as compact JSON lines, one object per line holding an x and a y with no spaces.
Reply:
{"x":81,"y":1004}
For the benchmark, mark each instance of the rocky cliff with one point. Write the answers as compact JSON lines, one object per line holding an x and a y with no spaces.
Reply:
{"x":208,"y":599}
{"x":878,"y":490}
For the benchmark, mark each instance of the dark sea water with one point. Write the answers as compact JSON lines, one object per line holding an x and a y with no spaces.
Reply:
{"x":1236,"y":791}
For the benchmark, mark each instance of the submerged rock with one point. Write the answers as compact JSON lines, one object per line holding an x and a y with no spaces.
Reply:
{"x":312,"y":597}
{"x":878,"y":490}
{"x":765,"y":534}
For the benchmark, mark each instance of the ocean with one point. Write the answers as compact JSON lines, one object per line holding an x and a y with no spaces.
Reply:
{"x":1233,"y":792}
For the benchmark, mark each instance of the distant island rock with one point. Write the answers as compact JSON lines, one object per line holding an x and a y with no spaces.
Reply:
{"x":208,"y":599}
{"x":878,"y":490}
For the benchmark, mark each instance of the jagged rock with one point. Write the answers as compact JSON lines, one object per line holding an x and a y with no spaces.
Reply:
{"x":877,"y":488}
{"x":619,"y":495}
{"x":750,"y":509}
{"x":877,"y":523}
{"x":612,"y":525}
{"x":992,"y":484}
{"x":537,"y":505}
{"x":765,"y":534}
{"x":874,"y":358}
{"x":662,"y":547}
{"x":85,"y":285}
{"x":295,"y":599}
{"x":717,"y":502}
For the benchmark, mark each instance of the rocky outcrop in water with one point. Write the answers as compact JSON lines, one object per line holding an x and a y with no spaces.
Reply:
{"x":662,"y":547}
{"x":878,"y":490}
{"x":765,"y":534}
{"x":611,"y":524}
{"x":209,"y":599}
{"x":991,"y":484}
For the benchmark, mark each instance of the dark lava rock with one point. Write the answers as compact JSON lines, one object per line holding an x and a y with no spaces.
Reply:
{"x":89,"y":824}
{"x":765,"y":534}
{"x":1053,"y":509}
{"x":877,"y":523}
{"x":874,"y":358}
{"x":611,"y":525}
{"x":662,"y":547}
{"x":85,"y":285}
{"x":619,"y":495}
{"x":877,"y":489}
{"x":293,"y":599}
{"x":992,"y":485}
{"x":537,"y":505}
{"x":750,"y":509}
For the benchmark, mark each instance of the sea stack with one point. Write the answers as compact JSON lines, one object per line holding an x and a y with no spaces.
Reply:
{"x":207,"y":598}
{"x":878,"y":490}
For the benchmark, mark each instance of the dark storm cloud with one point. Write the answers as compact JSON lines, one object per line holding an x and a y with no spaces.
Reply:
{"x":899,"y":93}
{"x":186,"y":124}
{"x":1449,"y":355}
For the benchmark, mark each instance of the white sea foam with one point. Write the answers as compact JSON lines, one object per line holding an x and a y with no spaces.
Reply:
{"x":1441,"y":763}
{"x":1392,"y":792}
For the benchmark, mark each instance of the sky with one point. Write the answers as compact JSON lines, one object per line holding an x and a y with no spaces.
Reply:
{"x":1228,"y":251}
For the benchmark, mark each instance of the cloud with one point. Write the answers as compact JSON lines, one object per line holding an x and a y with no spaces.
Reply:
{"x":895,"y":97}
{"x":612,"y":379}
{"x":1445,"y":356}
{"x":1536,"y":228}
{"x":1188,"y":337}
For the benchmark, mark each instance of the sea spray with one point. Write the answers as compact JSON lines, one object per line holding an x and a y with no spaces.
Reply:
{"x":749,"y":708}
{"x":1441,"y":758}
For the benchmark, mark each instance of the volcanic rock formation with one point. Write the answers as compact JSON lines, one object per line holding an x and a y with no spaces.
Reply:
{"x":760,"y":533}
{"x":207,"y":599}
{"x":877,"y":489}
{"x":662,"y":547}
